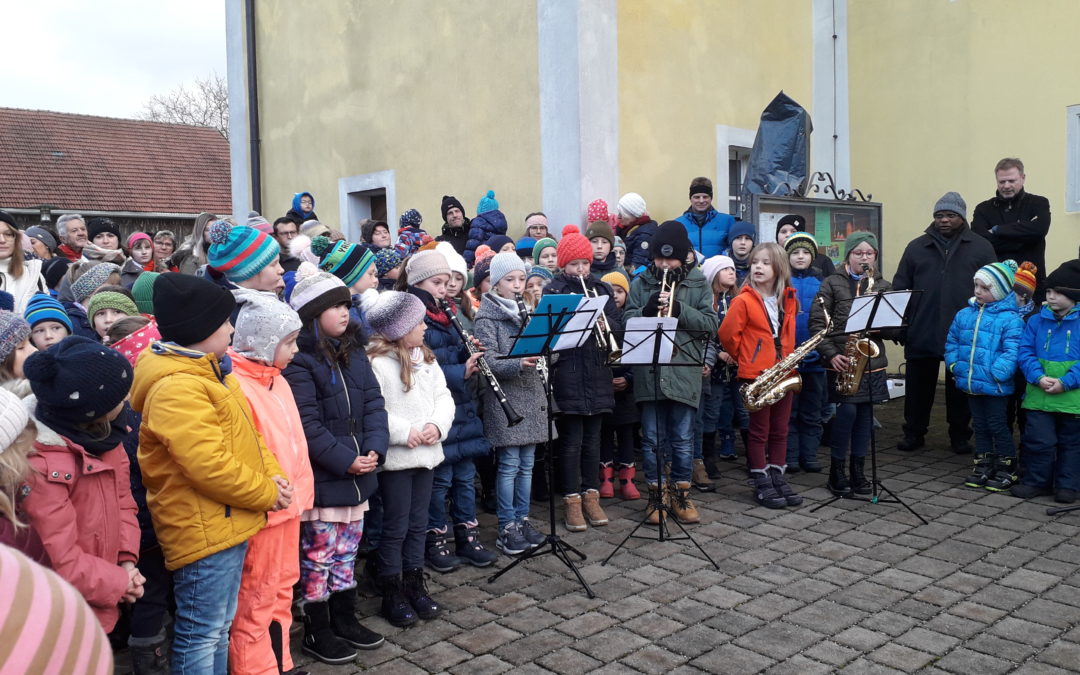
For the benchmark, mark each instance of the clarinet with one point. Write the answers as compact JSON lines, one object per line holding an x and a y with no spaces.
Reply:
{"x":512,"y":417}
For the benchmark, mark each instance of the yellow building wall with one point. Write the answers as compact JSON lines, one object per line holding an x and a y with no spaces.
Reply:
{"x":686,"y":66}
{"x":941,"y":90}
{"x":444,"y":93}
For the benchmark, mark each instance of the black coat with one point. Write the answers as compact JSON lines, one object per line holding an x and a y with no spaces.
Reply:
{"x":457,"y":236}
{"x":946,"y":282}
{"x":1020,"y":226}
{"x":344,"y":416}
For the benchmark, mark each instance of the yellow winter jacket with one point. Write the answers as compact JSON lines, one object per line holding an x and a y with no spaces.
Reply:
{"x":207,"y":471}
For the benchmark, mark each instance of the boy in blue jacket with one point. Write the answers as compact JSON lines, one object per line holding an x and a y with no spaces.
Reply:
{"x":805,"y":431}
{"x":981,"y":351}
{"x":1050,"y":359}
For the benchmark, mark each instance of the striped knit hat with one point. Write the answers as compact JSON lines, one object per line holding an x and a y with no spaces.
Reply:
{"x":316,"y":291}
{"x":345,"y":261}
{"x":43,"y":307}
{"x":143,"y":292}
{"x":542,"y":272}
{"x":240,"y":252}
{"x":92,"y":279}
{"x":801,"y":240}
{"x":998,"y":277}
{"x":110,"y":300}
{"x":13,"y":330}
{"x":1025,"y":280}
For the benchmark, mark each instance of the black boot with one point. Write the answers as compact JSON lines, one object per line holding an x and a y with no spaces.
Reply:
{"x":1004,"y":476}
{"x":345,"y":624}
{"x":859,"y":484}
{"x":395,"y":607}
{"x":838,"y":481}
{"x":765,"y":492}
{"x":468,"y":547}
{"x":319,"y":638}
{"x":416,"y":593}
{"x":982,"y":471}
{"x":776,"y":473}
{"x":150,"y":658}
{"x":708,"y":453}
{"x":437,"y":553}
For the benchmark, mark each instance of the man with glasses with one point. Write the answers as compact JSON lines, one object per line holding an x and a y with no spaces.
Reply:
{"x":940,"y":265}
{"x":285,"y":230}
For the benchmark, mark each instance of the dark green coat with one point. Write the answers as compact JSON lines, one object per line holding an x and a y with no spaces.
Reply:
{"x":696,"y":313}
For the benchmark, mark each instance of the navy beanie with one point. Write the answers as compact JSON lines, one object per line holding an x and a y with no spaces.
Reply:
{"x":78,"y":379}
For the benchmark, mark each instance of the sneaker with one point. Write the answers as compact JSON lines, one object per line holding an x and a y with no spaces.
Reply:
{"x":982,"y":472}
{"x":727,"y":449}
{"x":511,"y":539}
{"x":1065,"y":496}
{"x":1028,"y":491}
{"x":1004,"y":475}
{"x":437,"y":553}
{"x":468,"y":547}
{"x":532,"y":535}
{"x":911,"y":443}
{"x":809,"y":466}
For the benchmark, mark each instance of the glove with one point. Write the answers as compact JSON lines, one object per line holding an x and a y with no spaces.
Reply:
{"x":652,"y":306}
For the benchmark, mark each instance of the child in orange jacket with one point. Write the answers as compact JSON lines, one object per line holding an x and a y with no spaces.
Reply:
{"x":263,"y":344}
{"x":759,"y":330}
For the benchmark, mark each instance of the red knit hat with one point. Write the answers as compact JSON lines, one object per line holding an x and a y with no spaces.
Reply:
{"x":572,"y":246}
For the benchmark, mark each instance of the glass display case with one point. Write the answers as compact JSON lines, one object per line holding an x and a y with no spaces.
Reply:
{"x":830,"y":221}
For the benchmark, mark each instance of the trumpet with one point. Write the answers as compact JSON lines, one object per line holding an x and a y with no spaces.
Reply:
{"x":605,"y":339}
{"x":665,"y":287}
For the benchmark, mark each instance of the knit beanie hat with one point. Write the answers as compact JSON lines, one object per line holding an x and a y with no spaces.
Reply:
{"x":1025,"y":279}
{"x":410,"y":218}
{"x":487,"y":203}
{"x":386,"y":259}
{"x":78,"y":379}
{"x":670,"y":241}
{"x":313,"y":228}
{"x":449,"y":202}
{"x":542,"y":272}
{"x":701,"y":185}
{"x":524,"y":246}
{"x":6,"y":217}
{"x":597,"y":210}
{"x":42,"y":235}
{"x":13,"y":419}
{"x":110,"y":300}
{"x":424,"y":265}
{"x":91,"y":280}
{"x":573,"y":246}
{"x":742,"y":228}
{"x":712,"y":266}
{"x":189,"y":309}
{"x":952,"y":201}
{"x":258,"y":222}
{"x":13,"y":330}
{"x":367,"y":230}
{"x":801,"y":240}
{"x":619,"y":243}
{"x":504,"y":263}
{"x":345,"y":261}
{"x":998,"y":277}
{"x":617,"y":279}
{"x":481,"y":270}
{"x":798,"y":222}
{"x":316,"y":291}
{"x":240,"y":252}
{"x":136,"y":237}
{"x":631,"y":206}
{"x":394,"y":314}
{"x":497,"y":241}
{"x":98,"y":225}
{"x":453,"y":258}
{"x":54,"y":269}
{"x":856,"y":238}
{"x":602,"y":229}
{"x":7,"y":301}
{"x":134,"y":344}
{"x":1066,"y":280}
{"x":41,"y":307}
{"x":539,"y":246}
{"x":143,"y":292}
{"x":261,"y":324}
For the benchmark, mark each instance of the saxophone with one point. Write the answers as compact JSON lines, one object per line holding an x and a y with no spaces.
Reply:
{"x":859,"y":351}
{"x":774,"y":383}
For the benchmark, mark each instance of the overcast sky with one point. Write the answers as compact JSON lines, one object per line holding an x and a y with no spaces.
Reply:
{"x":106,"y":57}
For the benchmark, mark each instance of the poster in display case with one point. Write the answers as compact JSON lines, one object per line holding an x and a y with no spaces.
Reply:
{"x":830,"y":221}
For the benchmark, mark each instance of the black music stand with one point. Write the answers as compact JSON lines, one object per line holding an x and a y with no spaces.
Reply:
{"x":659,"y":338}
{"x":864,"y":317}
{"x":543,"y":345}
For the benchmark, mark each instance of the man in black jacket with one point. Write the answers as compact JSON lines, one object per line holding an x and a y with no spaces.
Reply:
{"x":455,"y":227}
{"x":1015,"y":222}
{"x":941,"y":265}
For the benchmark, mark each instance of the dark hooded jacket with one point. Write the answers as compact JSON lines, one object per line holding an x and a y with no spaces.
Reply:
{"x":481,"y":229}
{"x":457,"y":236}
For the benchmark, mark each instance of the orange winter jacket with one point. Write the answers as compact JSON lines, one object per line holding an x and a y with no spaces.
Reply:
{"x":278,"y":420}
{"x":747,"y":335}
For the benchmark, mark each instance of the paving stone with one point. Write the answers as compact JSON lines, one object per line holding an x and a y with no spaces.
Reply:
{"x":869,"y":596}
{"x":968,"y":661}
{"x":439,"y":656}
{"x":901,"y":580}
{"x":799,"y":665}
{"x":652,"y":626}
{"x":938,"y":596}
{"x":770,"y":607}
{"x":861,"y":639}
{"x":693,"y":641}
{"x":1030,"y":580}
{"x":962,"y":582}
{"x":569,"y":661}
{"x":888,"y":622}
{"x":1049,"y":613}
{"x":1002,"y":597}
{"x":531,"y":619}
{"x":734,"y":622}
{"x":1027,"y":632}
{"x":586,"y":624}
{"x":1063,"y":654}
{"x":1036,"y":668}
{"x":486,"y":664}
{"x":928,"y":641}
{"x":1000,"y":647}
{"x":957,"y":626}
{"x":826,"y":617}
{"x":611,"y":644}
{"x":808,"y":590}
{"x":531,"y":647}
{"x":509,"y":603}
{"x":653,"y":659}
{"x":977,"y":612}
{"x":957,"y":551}
{"x":903,"y":658}
{"x":864,"y":666}
{"x":832,"y":653}
{"x":731,"y":658}
{"x":687,"y":611}
{"x":725,"y":598}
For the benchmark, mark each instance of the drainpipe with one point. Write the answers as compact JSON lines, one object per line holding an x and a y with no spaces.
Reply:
{"x":253,"y":108}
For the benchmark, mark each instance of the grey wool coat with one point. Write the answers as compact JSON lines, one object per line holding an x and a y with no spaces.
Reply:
{"x":497,"y":322}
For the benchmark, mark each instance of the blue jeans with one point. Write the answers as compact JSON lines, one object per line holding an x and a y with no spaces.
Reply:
{"x":804,"y":433}
{"x":1051,"y":457}
{"x":990,"y":420}
{"x":513,"y":483}
{"x":455,"y":480}
{"x":676,"y":420}
{"x":708,"y":413}
{"x":851,"y":430}
{"x":205,"y":592}
{"x":732,"y":415}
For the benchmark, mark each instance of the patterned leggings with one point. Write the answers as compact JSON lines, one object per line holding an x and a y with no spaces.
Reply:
{"x":327,"y":557}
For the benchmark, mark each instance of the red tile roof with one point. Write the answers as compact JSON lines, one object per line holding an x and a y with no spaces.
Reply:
{"x":81,"y":162}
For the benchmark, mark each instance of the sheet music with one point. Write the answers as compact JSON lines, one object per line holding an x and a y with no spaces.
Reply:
{"x":639,"y":339}
{"x":890,"y":311}
{"x":579,"y":328}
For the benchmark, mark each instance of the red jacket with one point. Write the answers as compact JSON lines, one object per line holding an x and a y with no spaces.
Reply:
{"x":81,"y":507}
{"x":747,"y":334}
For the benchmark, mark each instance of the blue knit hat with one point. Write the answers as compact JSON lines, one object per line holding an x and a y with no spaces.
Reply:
{"x":7,"y":301}
{"x":498,"y":241}
{"x":386,"y":259}
{"x":742,"y":228}
{"x":240,"y":252}
{"x":43,"y":307}
{"x":410,"y":218}
{"x":78,"y":379}
{"x":524,"y":246}
{"x":487,"y":203}
{"x":541,"y":272}
{"x":998,"y":277}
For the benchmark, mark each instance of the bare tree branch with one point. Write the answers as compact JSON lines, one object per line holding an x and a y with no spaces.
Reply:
{"x":205,"y":104}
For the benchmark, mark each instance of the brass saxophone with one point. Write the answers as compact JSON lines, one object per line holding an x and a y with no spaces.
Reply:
{"x":775,"y":382}
{"x":859,"y":351}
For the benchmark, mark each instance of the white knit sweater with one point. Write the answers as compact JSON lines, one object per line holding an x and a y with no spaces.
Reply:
{"x":428,"y":400}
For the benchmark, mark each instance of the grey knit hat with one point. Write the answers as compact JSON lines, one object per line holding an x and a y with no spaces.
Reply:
{"x":502,"y":264}
{"x":952,"y":201}
{"x":424,"y":265}
{"x":394,"y":314}
{"x":91,"y":280}
{"x":42,"y":235}
{"x":13,"y":330}
{"x":262,"y":323}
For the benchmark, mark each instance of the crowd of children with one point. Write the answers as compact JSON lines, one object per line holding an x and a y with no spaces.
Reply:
{"x":197,"y":430}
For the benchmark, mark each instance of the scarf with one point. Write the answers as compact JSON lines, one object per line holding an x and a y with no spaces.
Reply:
{"x":92,"y":251}
{"x":95,"y":444}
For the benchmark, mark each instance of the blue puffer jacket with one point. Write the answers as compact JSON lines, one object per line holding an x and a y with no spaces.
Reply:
{"x":710,"y":235}
{"x":482,"y":228}
{"x":466,"y":438}
{"x":1049,"y":349}
{"x":344,"y":416}
{"x":807,"y":282}
{"x":637,"y":238}
{"x":983,"y":345}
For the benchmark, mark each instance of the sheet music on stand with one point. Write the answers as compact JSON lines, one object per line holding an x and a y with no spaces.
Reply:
{"x":640,"y":336}
{"x":868,"y":313}
{"x":579,"y":329}
{"x":551,"y":316}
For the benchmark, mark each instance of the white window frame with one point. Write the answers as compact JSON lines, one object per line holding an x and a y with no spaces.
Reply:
{"x":352,"y":208}
{"x":1072,"y":158}
{"x":726,"y":139}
